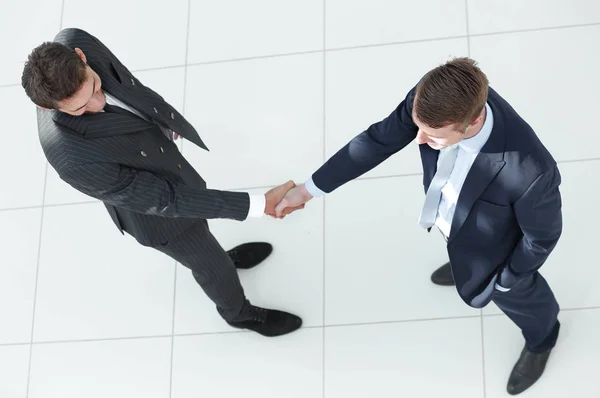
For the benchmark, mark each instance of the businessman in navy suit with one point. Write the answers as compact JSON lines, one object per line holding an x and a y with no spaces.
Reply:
{"x":492,"y":189}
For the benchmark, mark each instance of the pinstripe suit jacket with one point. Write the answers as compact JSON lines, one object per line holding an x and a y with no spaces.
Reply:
{"x":147,"y":186}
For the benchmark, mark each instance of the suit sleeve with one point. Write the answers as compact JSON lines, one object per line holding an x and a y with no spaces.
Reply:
{"x":147,"y":193}
{"x":369,"y":149}
{"x":539,"y":215}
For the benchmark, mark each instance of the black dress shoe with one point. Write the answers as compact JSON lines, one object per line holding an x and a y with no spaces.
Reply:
{"x":443,"y":276}
{"x":269,"y":323}
{"x":527,"y":370}
{"x":250,"y":255}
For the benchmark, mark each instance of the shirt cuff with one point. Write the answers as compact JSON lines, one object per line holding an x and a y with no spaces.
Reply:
{"x":313,"y":189}
{"x":501,"y":288}
{"x":258,"y":203}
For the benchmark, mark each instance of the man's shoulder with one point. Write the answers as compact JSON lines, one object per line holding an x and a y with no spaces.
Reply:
{"x":521,"y":141}
{"x":75,"y":37}
{"x":57,"y":141}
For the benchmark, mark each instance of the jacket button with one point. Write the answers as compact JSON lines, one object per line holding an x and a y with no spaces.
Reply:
{"x":179,"y":166}
{"x":144,"y":154}
{"x":155,"y":110}
{"x":172,"y":116}
{"x":132,"y":82}
{"x":162,"y":150}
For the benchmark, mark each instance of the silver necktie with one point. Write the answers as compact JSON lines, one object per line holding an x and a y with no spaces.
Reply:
{"x":434,"y":193}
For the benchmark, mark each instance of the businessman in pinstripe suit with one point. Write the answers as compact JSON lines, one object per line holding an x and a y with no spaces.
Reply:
{"x":111,"y":137}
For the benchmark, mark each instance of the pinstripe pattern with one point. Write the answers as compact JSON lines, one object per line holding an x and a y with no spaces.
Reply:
{"x":213,"y":269}
{"x":148,"y":187}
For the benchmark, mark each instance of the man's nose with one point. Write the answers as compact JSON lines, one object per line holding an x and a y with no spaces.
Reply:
{"x":421,"y":138}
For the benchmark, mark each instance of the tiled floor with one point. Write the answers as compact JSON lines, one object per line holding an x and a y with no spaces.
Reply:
{"x":277,"y":87}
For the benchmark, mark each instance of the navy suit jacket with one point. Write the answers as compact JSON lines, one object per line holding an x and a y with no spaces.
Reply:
{"x":508,"y":217}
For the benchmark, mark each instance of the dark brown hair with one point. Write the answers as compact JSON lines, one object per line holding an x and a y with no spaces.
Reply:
{"x":53,"y":72}
{"x":453,"y":93}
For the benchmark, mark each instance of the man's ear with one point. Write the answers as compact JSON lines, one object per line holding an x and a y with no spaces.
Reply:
{"x":81,"y":54}
{"x":477,"y":119}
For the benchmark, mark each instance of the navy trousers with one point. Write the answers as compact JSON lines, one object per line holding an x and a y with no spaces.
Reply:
{"x":532,"y":307}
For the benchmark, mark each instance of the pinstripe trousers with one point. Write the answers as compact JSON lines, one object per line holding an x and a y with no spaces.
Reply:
{"x":197,"y":249}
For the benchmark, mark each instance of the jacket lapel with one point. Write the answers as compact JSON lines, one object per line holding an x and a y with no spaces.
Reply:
{"x":487,"y":165}
{"x":128,"y":89}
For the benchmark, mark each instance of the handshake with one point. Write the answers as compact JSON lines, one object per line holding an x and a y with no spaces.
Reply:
{"x":286,"y":199}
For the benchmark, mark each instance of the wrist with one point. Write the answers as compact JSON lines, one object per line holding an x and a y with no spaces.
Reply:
{"x":306,"y":195}
{"x":258,"y":205}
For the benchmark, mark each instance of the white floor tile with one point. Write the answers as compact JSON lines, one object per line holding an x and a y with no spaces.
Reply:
{"x":19,"y":238}
{"x":363,"y":22}
{"x":261,"y":119}
{"x":94,"y":283}
{"x":59,"y":192}
{"x":487,"y":16}
{"x":237,"y":29}
{"x":168,"y":83}
{"x":23,"y":160}
{"x":291,"y":279}
{"x":266,"y":121}
{"x":116,"y":369}
{"x":14,"y":366}
{"x":25,"y":25}
{"x":378,"y":261}
{"x":249,"y":365}
{"x":547,"y":76}
{"x":572,"y":367}
{"x":413,"y":359}
{"x":149,"y":34}
{"x":571,"y":270}
{"x":366,"y":85}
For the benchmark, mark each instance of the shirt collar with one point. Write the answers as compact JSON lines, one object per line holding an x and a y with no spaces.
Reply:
{"x":475,"y":143}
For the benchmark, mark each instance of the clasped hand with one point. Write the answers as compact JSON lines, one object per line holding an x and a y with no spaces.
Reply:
{"x":286,"y":199}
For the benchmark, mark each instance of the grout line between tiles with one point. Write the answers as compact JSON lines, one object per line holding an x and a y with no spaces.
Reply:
{"x":481,"y":310}
{"x":267,"y":187}
{"x":468,"y":36}
{"x":304,"y":327}
{"x":185,"y":76}
{"x":37,"y":269}
{"x":577,"y":160}
{"x":47,"y":206}
{"x":325,"y":198}
{"x":102,"y":339}
{"x":561,"y":310}
{"x":340,"y":325}
{"x":13,"y":344}
{"x":482,"y":353}
{"x":173,"y":330}
{"x":508,"y":32}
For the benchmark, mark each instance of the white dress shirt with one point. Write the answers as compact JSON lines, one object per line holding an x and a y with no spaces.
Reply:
{"x":258,"y":203}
